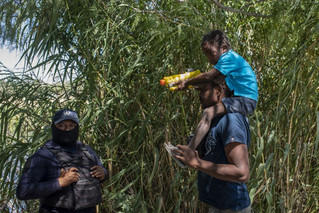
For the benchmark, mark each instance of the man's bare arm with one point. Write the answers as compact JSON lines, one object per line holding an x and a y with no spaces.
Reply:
{"x":236,"y":171}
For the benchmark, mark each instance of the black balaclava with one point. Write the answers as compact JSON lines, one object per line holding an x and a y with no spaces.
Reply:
{"x":65,"y":138}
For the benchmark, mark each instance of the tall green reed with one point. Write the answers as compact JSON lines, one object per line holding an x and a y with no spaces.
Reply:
{"x":110,"y":57}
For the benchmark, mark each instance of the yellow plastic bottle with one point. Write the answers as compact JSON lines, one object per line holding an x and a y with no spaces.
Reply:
{"x":170,"y":80}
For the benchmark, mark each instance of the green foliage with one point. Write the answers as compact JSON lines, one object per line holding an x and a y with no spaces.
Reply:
{"x":108,"y":57}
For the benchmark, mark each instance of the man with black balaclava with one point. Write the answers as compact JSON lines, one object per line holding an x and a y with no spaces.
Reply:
{"x":64,"y":173}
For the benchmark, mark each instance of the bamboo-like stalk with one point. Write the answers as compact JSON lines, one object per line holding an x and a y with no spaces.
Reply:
{"x":288,"y":157}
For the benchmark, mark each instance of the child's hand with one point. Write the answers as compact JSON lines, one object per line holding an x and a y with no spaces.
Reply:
{"x":181,"y":85}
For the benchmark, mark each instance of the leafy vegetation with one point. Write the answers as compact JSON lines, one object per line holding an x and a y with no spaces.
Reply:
{"x":107,"y":58}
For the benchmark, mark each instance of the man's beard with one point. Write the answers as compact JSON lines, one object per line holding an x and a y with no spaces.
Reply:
{"x":65,"y":138}
{"x":202,"y":104}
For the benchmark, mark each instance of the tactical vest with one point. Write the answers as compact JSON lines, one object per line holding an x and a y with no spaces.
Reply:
{"x":79,"y":195}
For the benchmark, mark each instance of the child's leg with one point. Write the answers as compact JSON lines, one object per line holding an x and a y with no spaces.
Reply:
{"x":242,"y":105}
{"x":204,"y":124}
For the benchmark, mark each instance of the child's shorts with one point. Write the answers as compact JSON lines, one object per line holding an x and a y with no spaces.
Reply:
{"x":242,"y":105}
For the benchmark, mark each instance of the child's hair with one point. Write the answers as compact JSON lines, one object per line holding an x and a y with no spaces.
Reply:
{"x":216,"y":37}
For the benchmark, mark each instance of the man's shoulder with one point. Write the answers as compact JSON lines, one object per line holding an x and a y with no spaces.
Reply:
{"x":85,"y":147}
{"x":231,"y":117}
{"x":232,"y":121}
{"x":42,"y":154}
{"x":233,"y":127}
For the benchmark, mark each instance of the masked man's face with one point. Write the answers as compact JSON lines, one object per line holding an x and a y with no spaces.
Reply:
{"x":66,"y":125}
{"x":65,"y":133}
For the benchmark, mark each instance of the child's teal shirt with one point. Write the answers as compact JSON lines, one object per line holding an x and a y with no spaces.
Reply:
{"x":240,"y":77}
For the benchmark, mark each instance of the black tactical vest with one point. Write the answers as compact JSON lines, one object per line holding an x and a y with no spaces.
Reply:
{"x":79,"y":195}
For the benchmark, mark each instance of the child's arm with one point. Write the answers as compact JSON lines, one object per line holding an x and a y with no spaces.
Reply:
{"x":201,"y":78}
{"x":204,"y":125}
